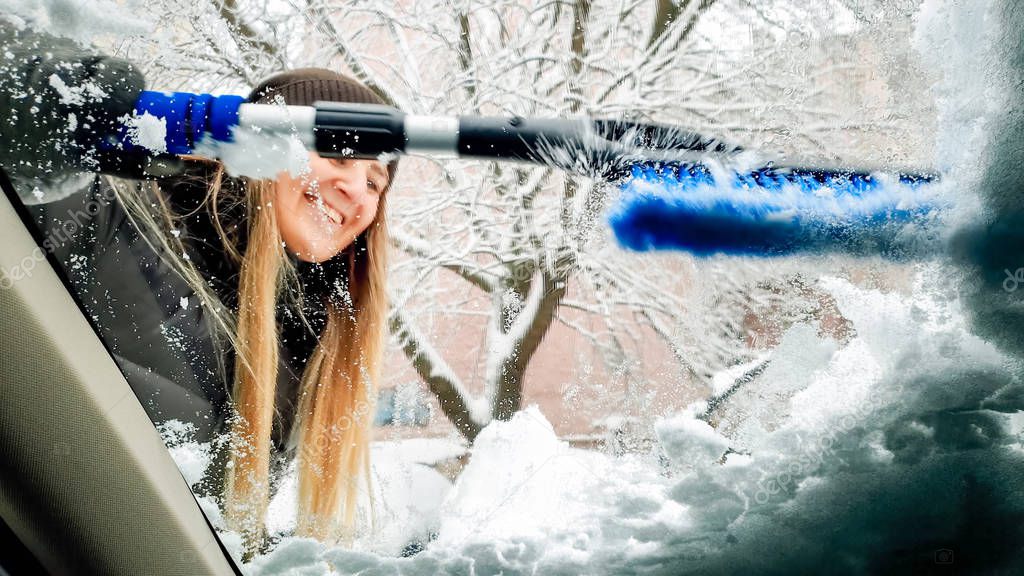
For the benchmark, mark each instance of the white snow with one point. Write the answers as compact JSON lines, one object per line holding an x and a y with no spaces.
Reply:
{"x":725,"y":379}
{"x":527,"y":503}
{"x":683,"y":436}
{"x":258,"y":154}
{"x":148,"y":131}
{"x":192,"y":458}
{"x":68,"y":95}
{"x":407,"y":494}
{"x":517,"y":484}
{"x":80,"y":20}
{"x":857,"y":428}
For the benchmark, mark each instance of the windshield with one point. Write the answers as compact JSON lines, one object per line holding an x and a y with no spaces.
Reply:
{"x":796,"y":347}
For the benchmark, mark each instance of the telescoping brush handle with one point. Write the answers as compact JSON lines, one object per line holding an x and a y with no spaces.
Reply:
{"x":343,"y":129}
{"x":368,"y":130}
{"x":600,"y":148}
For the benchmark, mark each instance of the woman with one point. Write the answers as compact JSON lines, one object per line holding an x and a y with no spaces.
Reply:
{"x":332,"y":218}
{"x":289,"y":278}
{"x":304,"y":282}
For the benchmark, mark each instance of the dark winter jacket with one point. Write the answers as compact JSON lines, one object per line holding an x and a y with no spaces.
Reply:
{"x":146,"y":314}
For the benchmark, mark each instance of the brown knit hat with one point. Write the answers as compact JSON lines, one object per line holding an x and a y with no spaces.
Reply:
{"x":304,"y":86}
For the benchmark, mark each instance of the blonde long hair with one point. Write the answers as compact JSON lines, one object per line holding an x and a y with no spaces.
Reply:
{"x":336,"y":395}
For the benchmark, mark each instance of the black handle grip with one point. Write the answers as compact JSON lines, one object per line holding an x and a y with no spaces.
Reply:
{"x":526,"y":139}
{"x":345,"y":130}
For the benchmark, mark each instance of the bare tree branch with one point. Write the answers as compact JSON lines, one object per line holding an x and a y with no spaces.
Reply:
{"x":438,"y":376}
{"x":468,"y":271}
{"x":510,"y":387}
{"x":321,"y":19}
{"x":466,"y":57}
{"x":229,"y":11}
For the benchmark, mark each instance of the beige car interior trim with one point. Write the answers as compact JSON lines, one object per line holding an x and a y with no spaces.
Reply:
{"x":87,"y":483}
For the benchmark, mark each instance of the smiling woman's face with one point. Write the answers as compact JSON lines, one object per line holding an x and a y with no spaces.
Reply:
{"x":320,"y":213}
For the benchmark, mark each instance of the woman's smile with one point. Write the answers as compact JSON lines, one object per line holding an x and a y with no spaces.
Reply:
{"x":335,"y":216}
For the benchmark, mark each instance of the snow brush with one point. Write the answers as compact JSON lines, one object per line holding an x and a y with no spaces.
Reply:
{"x":775,"y":210}
{"x":680,"y":191}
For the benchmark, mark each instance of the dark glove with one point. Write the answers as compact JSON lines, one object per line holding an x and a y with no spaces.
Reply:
{"x":58,"y":102}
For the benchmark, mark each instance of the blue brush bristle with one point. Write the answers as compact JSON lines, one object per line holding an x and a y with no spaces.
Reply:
{"x":768,"y":211}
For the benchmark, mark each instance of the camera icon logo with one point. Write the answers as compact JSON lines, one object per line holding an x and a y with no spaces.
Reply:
{"x":944,"y":556}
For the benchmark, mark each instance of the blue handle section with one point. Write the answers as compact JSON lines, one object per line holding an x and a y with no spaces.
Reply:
{"x":224,"y":116}
{"x":199,"y":113}
{"x":772,"y":211}
{"x":187,"y":117}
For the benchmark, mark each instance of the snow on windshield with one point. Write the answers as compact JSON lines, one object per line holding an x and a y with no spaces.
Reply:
{"x":867,"y":440}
